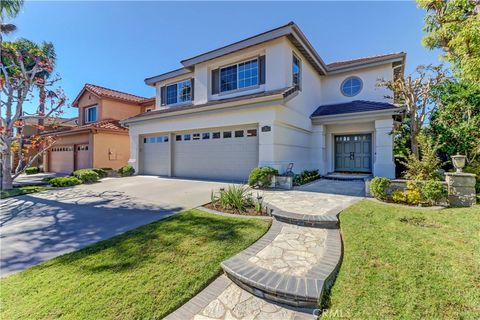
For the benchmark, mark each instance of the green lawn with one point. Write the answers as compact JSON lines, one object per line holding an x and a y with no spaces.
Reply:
{"x":143,"y":274}
{"x":21,"y":190}
{"x":408,"y":263}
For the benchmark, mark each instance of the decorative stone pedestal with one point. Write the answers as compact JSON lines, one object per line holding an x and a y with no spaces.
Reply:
{"x":282,"y":182}
{"x":461,"y":189}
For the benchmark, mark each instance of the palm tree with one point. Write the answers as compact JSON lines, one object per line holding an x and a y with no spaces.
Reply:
{"x":8,"y":9}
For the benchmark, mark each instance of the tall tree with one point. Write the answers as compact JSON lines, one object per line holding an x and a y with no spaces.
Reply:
{"x":455,"y":124}
{"x":8,"y":9}
{"x":415,"y":93}
{"x":22,"y":65}
{"x":454,"y":27}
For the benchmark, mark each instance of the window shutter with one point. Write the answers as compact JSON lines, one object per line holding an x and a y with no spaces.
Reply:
{"x":215,"y":81}
{"x":192,"y":85}
{"x":163,"y":96}
{"x":261,"y":69}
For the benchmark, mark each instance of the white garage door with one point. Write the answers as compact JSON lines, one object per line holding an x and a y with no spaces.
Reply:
{"x":155,"y":155}
{"x":61,"y":159}
{"x":220,"y":153}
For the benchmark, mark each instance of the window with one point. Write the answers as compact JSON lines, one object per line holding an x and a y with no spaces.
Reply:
{"x":165,"y":139}
{"x":159,"y":139}
{"x":178,"y":137}
{"x":296,"y":72}
{"x":91,"y":114}
{"x":238,"y":133}
{"x":227,"y":134}
{"x":252,"y":133}
{"x":206,"y":135}
{"x":179,"y":92}
{"x":351,"y":86}
{"x":216,"y":135}
{"x":187,"y":137}
{"x":238,"y":76}
{"x":196,"y":136}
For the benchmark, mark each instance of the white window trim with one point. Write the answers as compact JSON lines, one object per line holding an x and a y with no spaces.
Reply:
{"x":301,"y":70}
{"x":178,"y":93}
{"x":86,"y":114}
{"x":255,"y":86}
{"x":345,"y":80}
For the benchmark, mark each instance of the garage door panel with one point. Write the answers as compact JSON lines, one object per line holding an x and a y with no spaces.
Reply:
{"x":225,"y":158}
{"x":156,"y":155}
{"x":61,"y":159}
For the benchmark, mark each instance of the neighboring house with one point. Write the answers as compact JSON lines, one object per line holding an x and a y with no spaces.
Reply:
{"x":31,"y":129}
{"x":99,"y":140}
{"x":268,"y":100}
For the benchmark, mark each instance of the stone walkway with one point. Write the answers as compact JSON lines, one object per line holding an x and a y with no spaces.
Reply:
{"x":283,"y":275}
{"x":293,"y":251}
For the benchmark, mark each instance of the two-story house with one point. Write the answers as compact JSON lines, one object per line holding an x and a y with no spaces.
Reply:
{"x":268,"y":100}
{"x":99,"y":140}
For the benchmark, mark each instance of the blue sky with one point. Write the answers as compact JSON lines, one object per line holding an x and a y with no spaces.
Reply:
{"x":119,"y":44}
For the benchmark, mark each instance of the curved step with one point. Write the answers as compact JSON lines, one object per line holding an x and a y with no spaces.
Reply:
{"x":303,"y":290}
{"x":328,"y":220}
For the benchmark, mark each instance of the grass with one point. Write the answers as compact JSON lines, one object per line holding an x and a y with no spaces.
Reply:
{"x":405,"y":263}
{"x":21,"y":190}
{"x":145,"y":273}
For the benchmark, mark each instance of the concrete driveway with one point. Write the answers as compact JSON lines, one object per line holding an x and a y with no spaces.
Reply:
{"x":44,"y":225}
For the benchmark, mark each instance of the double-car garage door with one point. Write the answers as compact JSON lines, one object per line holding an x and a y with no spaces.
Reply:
{"x":68,"y":158}
{"x":228,"y":153}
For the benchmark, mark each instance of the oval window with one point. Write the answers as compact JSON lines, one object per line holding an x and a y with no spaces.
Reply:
{"x":351,"y":86}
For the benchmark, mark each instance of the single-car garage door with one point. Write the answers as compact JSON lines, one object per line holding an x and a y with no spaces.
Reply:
{"x":221,"y":153}
{"x":61,"y":159}
{"x":155,"y":155}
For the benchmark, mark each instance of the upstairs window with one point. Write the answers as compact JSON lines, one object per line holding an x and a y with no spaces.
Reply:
{"x":91,"y":114}
{"x":296,"y":72}
{"x":351,"y":86}
{"x":239,"y":76}
{"x":179,"y":92}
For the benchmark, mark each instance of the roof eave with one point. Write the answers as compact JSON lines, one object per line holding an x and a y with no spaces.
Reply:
{"x":369,"y":64}
{"x":239,"y":103}
{"x":354,"y":116}
{"x":168,"y":75}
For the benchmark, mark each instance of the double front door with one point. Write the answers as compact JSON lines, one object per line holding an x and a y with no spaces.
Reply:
{"x":353,"y":153}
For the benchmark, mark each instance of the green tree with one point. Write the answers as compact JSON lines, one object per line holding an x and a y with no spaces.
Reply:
{"x":8,"y":9}
{"x":455,"y":123}
{"x":23,"y":66}
{"x":454,"y":27}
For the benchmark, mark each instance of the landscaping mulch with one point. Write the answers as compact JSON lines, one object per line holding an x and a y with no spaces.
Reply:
{"x":248,"y":212}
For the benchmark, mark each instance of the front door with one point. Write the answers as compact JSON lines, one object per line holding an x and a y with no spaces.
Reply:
{"x":353,"y":153}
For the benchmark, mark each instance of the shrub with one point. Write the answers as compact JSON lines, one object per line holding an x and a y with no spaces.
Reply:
{"x":236,"y":198}
{"x":433,"y":191}
{"x":306,"y":176}
{"x":102,"y":173}
{"x":64,"y":181}
{"x":86,"y":175}
{"x":126,"y":171}
{"x":427,"y":167}
{"x":262,"y":177}
{"x":399,"y":196}
{"x":32,"y":170}
{"x":474,"y":167}
{"x":378,"y":187}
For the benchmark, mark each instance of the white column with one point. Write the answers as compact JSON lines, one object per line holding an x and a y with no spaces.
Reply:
{"x":384,"y":165}
{"x":319,"y":148}
{"x":134,"y":151}
{"x":266,"y":146}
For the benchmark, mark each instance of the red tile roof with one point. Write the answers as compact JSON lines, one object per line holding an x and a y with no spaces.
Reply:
{"x":346,"y":63}
{"x":107,"y":125}
{"x":103,"y":92}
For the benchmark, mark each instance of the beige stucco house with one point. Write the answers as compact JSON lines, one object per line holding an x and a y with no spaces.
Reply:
{"x":99,"y":140}
{"x":268,"y":100}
